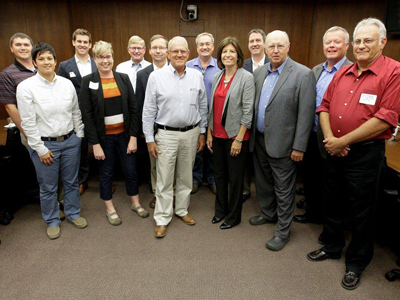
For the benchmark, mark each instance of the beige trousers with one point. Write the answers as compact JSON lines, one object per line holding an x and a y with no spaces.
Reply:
{"x":176,"y":160}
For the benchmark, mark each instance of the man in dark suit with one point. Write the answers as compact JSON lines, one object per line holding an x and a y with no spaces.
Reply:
{"x":335,"y":45}
{"x":75,"y":69}
{"x":258,"y":58}
{"x":158,"y":52}
{"x":283,"y":117}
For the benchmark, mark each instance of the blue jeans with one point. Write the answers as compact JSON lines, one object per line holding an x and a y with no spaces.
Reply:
{"x":66,"y":164}
{"x":117,"y":143}
{"x":202,"y":156}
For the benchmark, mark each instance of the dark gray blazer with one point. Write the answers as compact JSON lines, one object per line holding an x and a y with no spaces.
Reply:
{"x":320,"y":135}
{"x":141,"y":84}
{"x":290,"y":112}
{"x":68,"y":66}
{"x":239,"y":102}
{"x":248,"y":64}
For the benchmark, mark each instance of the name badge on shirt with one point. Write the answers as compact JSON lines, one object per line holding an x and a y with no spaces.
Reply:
{"x":93,"y":85}
{"x":72,"y":74}
{"x":368,"y":99}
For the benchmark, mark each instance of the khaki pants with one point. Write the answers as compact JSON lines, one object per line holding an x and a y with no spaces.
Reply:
{"x":178,"y":152}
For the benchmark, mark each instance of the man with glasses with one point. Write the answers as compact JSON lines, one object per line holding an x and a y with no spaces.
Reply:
{"x":359,"y":111}
{"x":158,"y":52}
{"x":284,"y":113}
{"x":208,"y":66}
{"x":176,"y":105}
{"x":75,"y":69}
{"x":136,"y":49}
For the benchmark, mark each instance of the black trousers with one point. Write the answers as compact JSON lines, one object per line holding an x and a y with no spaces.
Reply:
{"x":352,"y":184}
{"x":229,"y":174}
{"x":314,"y":180}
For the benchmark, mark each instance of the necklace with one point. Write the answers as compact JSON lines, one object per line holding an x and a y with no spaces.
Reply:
{"x":227,"y":81}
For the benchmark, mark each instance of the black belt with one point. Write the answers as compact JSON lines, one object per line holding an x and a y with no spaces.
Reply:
{"x":57,"y":139}
{"x":368,"y":143}
{"x":181,"y":129}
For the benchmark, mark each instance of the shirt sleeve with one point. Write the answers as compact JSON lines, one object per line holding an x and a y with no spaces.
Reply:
{"x":150,"y":109}
{"x":248,"y":102}
{"x":203,"y":106}
{"x":77,"y":115}
{"x":26,"y":109}
{"x":7,"y":89}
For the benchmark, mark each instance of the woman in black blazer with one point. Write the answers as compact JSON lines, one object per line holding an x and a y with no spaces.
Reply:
{"x":110,"y":114}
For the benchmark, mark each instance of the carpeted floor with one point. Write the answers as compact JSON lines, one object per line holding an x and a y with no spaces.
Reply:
{"x":191,"y":262}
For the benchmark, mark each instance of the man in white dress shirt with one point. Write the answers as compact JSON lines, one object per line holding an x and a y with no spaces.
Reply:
{"x":136,"y":49}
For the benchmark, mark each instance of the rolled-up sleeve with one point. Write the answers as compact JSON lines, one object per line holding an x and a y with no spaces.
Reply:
{"x":203,"y":107}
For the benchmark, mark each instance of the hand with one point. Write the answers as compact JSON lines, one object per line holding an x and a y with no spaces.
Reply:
{"x":297,"y":155}
{"x":343,"y":153}
{"x":98,"y":152}
{"x":47,"y":159}
{"x":236,"y":148}
{"x":153,"y":149}
{"x":335,"y":146}
{"x":209,"y":142}
{"x":132,"y":145}
{"x":201,"y":142}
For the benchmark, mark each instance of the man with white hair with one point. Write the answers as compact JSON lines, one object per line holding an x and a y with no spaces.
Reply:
{"x":176,"y":105}
{"x":283,"y":116}
{"x":335,"y":43}
{"x":136,"y":49}
{"x":358,"y":113}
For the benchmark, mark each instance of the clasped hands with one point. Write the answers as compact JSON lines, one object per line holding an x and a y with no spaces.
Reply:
{"x":336,"y":147}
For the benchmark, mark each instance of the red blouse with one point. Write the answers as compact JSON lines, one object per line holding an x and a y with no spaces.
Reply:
{"x":219,"y":102}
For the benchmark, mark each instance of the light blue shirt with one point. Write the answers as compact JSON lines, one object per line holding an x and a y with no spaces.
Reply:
{"x":266,"y":92}
{"x":322,"y":85}
{"x":208,"y":73}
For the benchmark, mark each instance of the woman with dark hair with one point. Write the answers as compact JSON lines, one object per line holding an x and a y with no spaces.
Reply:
{"x":230,"y":118}
{"x":110,"y":115}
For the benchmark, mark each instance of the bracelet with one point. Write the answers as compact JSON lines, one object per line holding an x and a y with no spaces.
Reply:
{"x":239,"y":141}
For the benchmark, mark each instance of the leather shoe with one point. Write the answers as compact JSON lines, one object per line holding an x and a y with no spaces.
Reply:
{"x":225,"y":226}
{"x":188,"y":219}
{"x":161,"y":231}
{"x":276,"y":243}
{"x":321,"y":239}
{"x":305,"y":219}
{"x":259,"y":220}
{"x":82,"y":188}
{"x":195,"y":188}
{"x":350,"y":280}
{"x":216,"y":220}
{"x":320,"y":255}
{"x":246,"y":195}
{"x":152,"y":203}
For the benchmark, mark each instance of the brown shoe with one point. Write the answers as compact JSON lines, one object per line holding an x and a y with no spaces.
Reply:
{"x":152,"y":203}
{"x":161,"y":231}
{"x":188,"y":219}
{"x":82,"y":188}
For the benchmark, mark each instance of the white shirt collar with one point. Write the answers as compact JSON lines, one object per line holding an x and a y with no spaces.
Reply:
{"x":81,"y":62}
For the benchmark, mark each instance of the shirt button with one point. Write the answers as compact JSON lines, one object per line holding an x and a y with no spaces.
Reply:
{"x":338,"y":131}
{"x":340,"y":117}
{"x":351,"y":92}
{"x":357,"y":79}
{"x":345,"y":104}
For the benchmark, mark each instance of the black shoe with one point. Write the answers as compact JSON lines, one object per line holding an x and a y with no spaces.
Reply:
{"x":350,"y":280}
{"x":319,"y":255}
{"x":216,"y":220}
{"x":259,"y":220}
{"x":225,"y":226}
{"x":246,"y":195}
{"x":304,"y":219}
{"x":276,"y":243}
{"x":301,"y":203}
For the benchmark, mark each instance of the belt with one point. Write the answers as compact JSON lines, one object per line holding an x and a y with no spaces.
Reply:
{"x":181,"y":129}
{"x":57,"y":139}
{"x":368,"y":143}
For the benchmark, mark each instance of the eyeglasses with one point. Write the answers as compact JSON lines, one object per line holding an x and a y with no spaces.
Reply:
{"x":106,"y":57}
{"x":272,"y":48}
{"x":158,"y":48}
{"x":136,"y":48}
{"x":176,"y":52}
{"x":366,"y":42}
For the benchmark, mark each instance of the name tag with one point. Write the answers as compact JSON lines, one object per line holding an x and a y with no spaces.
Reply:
{"x":93,"y":85}
{"x":368,"y":99}
{"x":72,"y":74}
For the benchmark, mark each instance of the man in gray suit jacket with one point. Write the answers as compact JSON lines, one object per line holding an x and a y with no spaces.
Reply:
{"x":74,"y":69}
{"x":335,"y":44}
{"x":283,"y":117}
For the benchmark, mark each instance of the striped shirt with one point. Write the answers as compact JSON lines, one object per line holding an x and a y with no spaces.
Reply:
{"x":113,"y":116}
{"x":10,"y":77}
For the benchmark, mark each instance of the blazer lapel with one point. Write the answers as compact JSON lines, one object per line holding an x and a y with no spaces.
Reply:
{"x":259,"y":83}
{"x":74,"y":68}
{"x":123,"y":91}
{"x":318,"y":72}
{"x":94,"y":67}
{"x":100,"y":96}
{"x":281,"y":80}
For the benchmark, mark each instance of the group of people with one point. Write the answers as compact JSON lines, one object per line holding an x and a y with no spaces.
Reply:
{"x":225,"y":113}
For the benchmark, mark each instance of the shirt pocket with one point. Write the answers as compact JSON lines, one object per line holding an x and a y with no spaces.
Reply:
{"x":193,"y":96}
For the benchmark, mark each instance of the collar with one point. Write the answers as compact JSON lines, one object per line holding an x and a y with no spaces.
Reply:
{"x":45,"y":81}
{"x":139,"y":64}
{"x":81,"y":62}
{"x":21,"y":67}
{"x":157,"y":68}
{"x":261,"y":62}
{"x":174,"y":72}
{"x":337,"y":66}
{"x":374,"y":68}
{"x":280,"y":69}
{"x":197,"y":62}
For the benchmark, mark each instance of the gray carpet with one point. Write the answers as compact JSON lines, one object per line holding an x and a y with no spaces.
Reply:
{"x":191,"y":262}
